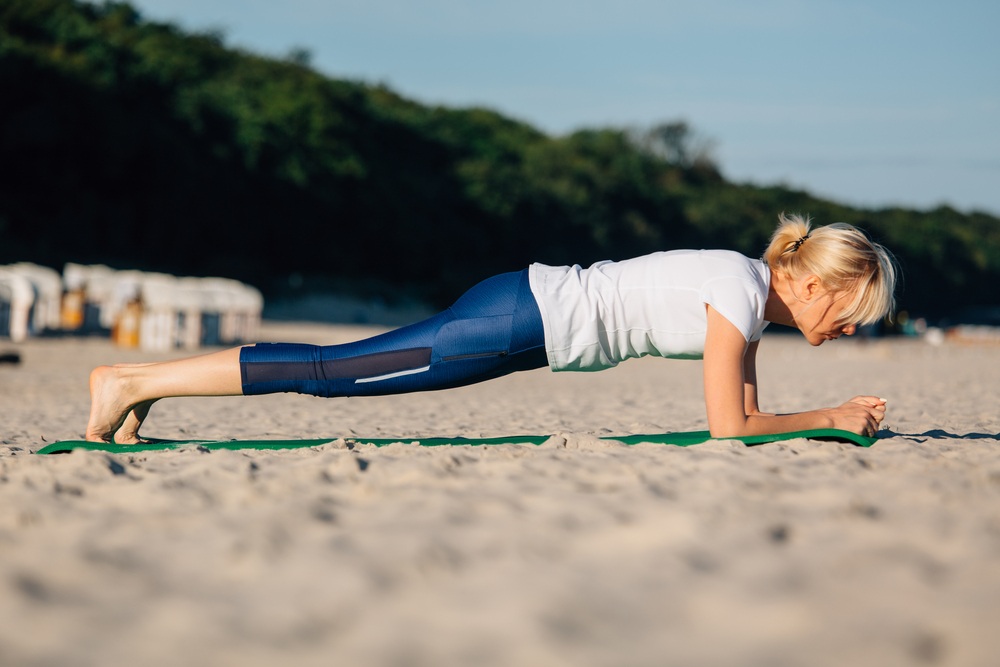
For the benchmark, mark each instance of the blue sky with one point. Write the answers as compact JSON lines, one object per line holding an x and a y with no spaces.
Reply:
{"x":873,"y":103}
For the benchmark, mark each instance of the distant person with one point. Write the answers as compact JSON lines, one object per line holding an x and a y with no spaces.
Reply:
{"x":686,"y":304}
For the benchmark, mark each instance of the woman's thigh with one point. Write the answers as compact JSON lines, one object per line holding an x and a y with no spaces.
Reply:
{"x":493,"y":329}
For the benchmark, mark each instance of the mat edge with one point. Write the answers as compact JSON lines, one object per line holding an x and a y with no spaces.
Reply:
{"x":696,"y":437}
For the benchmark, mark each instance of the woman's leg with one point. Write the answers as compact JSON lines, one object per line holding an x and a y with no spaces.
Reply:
{"x":116,"y":390}
{"x":492,"y":330}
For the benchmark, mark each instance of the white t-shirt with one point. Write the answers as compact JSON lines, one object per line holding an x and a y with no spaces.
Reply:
{"x":599,"y":316}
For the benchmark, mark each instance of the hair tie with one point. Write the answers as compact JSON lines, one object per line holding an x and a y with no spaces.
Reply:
{"x":802,"y":239}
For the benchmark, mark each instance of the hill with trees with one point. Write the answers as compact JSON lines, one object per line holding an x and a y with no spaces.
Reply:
{"x":136,"y":144}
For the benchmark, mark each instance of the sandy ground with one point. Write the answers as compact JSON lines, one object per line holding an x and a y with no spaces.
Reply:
{"x":579,"y":552}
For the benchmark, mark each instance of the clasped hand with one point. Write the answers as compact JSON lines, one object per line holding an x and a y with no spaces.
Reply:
{"x":861,"y":415}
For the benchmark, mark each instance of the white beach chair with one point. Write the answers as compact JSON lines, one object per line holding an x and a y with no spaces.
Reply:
{"x":99,"y":292}
{"x":47,"y":285}
{"x":190,"y":303}
{"x":17,"y":297}
{"x":158,"y":328}
{"x":223,"y":294}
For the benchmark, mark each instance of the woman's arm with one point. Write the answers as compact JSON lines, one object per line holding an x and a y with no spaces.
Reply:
{"x":750,"y":406}
{"x":731,"y":392}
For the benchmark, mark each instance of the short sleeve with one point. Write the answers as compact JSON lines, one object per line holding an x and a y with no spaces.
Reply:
{"x":740,"y":301}
{"x":759,"y":332}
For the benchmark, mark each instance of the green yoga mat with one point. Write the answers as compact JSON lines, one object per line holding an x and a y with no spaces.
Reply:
{"x":681,"y":439}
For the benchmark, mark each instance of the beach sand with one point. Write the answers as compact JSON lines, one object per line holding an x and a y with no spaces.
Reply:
{"x":578,"y":552}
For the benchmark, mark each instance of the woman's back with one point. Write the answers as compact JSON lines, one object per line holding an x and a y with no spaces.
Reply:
{"x":596,"y":317}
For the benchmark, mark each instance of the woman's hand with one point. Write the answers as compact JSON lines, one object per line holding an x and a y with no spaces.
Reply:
{"x":861,"y":415}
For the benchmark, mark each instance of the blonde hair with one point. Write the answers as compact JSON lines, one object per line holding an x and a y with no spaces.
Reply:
{"x":843,"y":258}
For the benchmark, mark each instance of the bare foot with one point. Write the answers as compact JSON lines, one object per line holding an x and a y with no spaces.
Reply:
{"x":109,"y":403}
{"x":116,"y":391}
{"x":128,"y":434}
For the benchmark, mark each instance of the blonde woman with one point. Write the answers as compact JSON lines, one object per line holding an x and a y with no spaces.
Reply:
{"x":710,"y":304}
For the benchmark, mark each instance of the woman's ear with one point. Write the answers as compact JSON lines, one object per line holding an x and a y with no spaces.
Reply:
{"x":812,"y":286}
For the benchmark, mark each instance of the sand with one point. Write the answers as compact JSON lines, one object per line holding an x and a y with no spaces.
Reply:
{"x":579,"y":552}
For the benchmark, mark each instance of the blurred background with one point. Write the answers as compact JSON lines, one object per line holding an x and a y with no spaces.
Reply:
{"x":368,"y":162}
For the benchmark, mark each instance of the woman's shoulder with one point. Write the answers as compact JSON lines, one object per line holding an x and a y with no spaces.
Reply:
{"x":706,"y":267}
{"x":714,"y":262}
{"x":731,"y":260}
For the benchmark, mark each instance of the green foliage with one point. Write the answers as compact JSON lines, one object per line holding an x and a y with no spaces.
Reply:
{"x":134,"y":143}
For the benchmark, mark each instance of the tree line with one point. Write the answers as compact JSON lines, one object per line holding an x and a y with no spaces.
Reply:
{"x":137,"y":144}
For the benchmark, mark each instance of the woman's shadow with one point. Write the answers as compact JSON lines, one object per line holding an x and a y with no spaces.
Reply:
{"x":937,"y":434}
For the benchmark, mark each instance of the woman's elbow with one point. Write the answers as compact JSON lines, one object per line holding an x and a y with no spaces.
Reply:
{"x":727,"y":430}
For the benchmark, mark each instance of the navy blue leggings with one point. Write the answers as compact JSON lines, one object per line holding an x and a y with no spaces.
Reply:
{"x":493,"y":329}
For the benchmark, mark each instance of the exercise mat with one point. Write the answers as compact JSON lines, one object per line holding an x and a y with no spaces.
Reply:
{"x":680,"y":439}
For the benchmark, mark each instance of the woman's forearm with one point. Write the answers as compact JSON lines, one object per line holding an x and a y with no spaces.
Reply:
{"x":801,"y":421}
{"x":763,"y":424}
{"x":861,"y":414}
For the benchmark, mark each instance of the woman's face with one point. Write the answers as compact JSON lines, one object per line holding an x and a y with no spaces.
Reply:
{"x":821,"y":319}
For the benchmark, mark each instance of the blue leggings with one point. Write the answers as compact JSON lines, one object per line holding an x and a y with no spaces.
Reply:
{"x":493,"y":329}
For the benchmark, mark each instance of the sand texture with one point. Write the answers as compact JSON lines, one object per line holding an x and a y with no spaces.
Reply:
{"x":578,"y":552}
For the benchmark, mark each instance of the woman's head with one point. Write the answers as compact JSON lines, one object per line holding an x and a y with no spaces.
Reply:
{"x":847,"y":263}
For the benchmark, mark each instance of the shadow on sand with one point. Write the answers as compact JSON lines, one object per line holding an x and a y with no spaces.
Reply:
{"x":938,"y":434}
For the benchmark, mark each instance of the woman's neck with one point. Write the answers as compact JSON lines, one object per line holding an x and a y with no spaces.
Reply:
{"x":780,"y":297}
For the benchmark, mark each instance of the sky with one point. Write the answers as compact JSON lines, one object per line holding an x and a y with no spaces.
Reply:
{"x":871,"y":103}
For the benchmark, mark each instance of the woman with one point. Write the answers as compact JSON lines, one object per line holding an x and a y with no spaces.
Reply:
{"x":711,"y":304}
